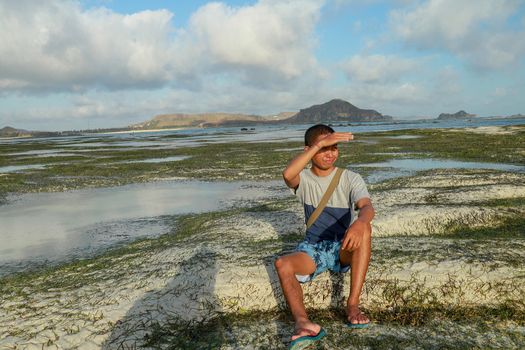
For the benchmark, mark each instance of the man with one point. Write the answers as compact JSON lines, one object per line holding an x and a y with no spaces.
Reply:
{"x":337,"y":240}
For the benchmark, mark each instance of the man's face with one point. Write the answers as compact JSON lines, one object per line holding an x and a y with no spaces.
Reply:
{"x":325,"y":158}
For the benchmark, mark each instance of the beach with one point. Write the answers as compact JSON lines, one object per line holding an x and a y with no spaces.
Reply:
{"x":447,"y":269}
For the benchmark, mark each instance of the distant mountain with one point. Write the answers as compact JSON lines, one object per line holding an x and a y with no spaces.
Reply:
{"x":199,"y":120}
{"x":457,"y":115}
{"x":12,"y":132}
{"x":337,"y":110}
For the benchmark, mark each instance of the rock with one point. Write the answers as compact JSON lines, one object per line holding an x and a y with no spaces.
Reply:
{"x":337,"y":110}
{"x":12,"y":132}
{"x":458,"y":115}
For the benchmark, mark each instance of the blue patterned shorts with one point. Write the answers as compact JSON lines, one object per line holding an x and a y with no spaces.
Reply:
{"x":325,"y":255}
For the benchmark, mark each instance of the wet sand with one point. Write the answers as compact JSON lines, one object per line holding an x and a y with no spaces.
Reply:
{"x":49,"y":228}
{"x":447,"y":271}
{"x":229,"y":269}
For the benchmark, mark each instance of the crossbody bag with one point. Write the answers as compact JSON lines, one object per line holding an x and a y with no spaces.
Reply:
{"x":326,"y":197}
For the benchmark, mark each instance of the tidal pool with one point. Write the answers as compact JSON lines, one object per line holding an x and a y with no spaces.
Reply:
{"x":38,"y":153}
{"x":48,"y":228}
{"x":16,"y":168}
{"x":404,"y":137}
{"x":406,"y":167}
{"x":158,"y":160}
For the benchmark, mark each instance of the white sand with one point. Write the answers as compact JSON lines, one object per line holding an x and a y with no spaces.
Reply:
{"x":228,"y":267}
{"x":492,"y":130}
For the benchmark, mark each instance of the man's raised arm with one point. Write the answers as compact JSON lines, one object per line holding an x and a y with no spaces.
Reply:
{"x":296,"y":165}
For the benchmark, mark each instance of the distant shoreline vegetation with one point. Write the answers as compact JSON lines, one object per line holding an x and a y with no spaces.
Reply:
{"x":10,"y":132}
{"x":334,"y":112}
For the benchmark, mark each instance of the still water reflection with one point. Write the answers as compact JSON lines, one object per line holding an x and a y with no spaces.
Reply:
{"x":406,"y":167}
{"x":54,"y":227}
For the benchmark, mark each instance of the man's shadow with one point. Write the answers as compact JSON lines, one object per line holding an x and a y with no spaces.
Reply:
{"x":186,"y":313}
{"x":177,"y":313}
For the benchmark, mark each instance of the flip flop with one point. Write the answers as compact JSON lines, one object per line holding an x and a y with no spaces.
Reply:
{"x":304,"y":341}
{"x":357,"y":325}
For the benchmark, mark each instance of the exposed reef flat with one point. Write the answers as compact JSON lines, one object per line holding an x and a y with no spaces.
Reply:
{"x":447,"y":270}
{"x":440,"y":269}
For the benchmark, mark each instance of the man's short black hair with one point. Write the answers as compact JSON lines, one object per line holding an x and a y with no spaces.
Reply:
{"x":314,"y":131}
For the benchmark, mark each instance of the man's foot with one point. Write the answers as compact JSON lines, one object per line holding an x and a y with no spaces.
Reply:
{"x":306,"y":333}
{"x":305,"y":329}
{"x":356,"y":318}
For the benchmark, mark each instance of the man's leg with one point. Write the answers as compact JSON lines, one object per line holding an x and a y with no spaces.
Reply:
{"x":358,"y":259}
{"x":287,"y":267}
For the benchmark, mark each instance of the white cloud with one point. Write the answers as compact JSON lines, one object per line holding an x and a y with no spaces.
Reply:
{"x":447,"y":83}
{"x":81,"y":111}
{"x":499,"y":92}
{"x":378,"y":68}
{"x":404,"y":87}
{"x":389,"y":96}
{"x":476,"y":31}
{"x":269,"y":37}
{"x":339,"y":3}
{"x":120,"y":108}
{"x":447,"y":20}
{"x":57,"y":45}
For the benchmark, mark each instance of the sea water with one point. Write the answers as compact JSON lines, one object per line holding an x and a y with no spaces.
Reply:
{"x":46,"y":228}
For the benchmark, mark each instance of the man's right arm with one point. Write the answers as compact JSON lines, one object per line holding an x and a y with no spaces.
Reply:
{"x":294,"y":168}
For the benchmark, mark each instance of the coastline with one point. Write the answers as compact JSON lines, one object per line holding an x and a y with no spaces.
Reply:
{"x":228,"y":269}
{"x":143,"y":131}
{"x":448,"y":250}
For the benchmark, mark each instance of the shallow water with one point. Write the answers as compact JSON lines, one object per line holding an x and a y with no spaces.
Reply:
{"x":404,"y":137}
{"x":276,"y":132}
{"x":406,"y":167}
{"x":158,"y":160}
{"x":40,"y":152}
{"x":57,"y":226}
{"x":54,"y":227}
{"x":17,"y":168}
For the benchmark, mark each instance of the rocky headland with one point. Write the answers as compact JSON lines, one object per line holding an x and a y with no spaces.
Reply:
{"x":334,"y":110}
{"x":458,"y":115}
{"x":12,"y":132}
{"x":337,"y":110}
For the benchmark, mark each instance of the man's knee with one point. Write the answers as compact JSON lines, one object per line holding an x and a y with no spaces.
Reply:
{"x":298,"y":263}
{"x":282,"y":265}
{"x":287,"y":265}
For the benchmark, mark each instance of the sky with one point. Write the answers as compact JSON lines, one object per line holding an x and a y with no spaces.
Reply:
{"x":68,"y":65}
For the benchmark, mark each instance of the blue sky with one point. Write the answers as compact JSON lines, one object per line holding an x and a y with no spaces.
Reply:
{"x":107,"y":63}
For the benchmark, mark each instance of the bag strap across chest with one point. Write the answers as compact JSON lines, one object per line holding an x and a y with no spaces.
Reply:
{"x":326,"y":197}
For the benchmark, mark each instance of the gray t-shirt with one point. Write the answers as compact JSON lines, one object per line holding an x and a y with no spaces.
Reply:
{"x":339,"y":212}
